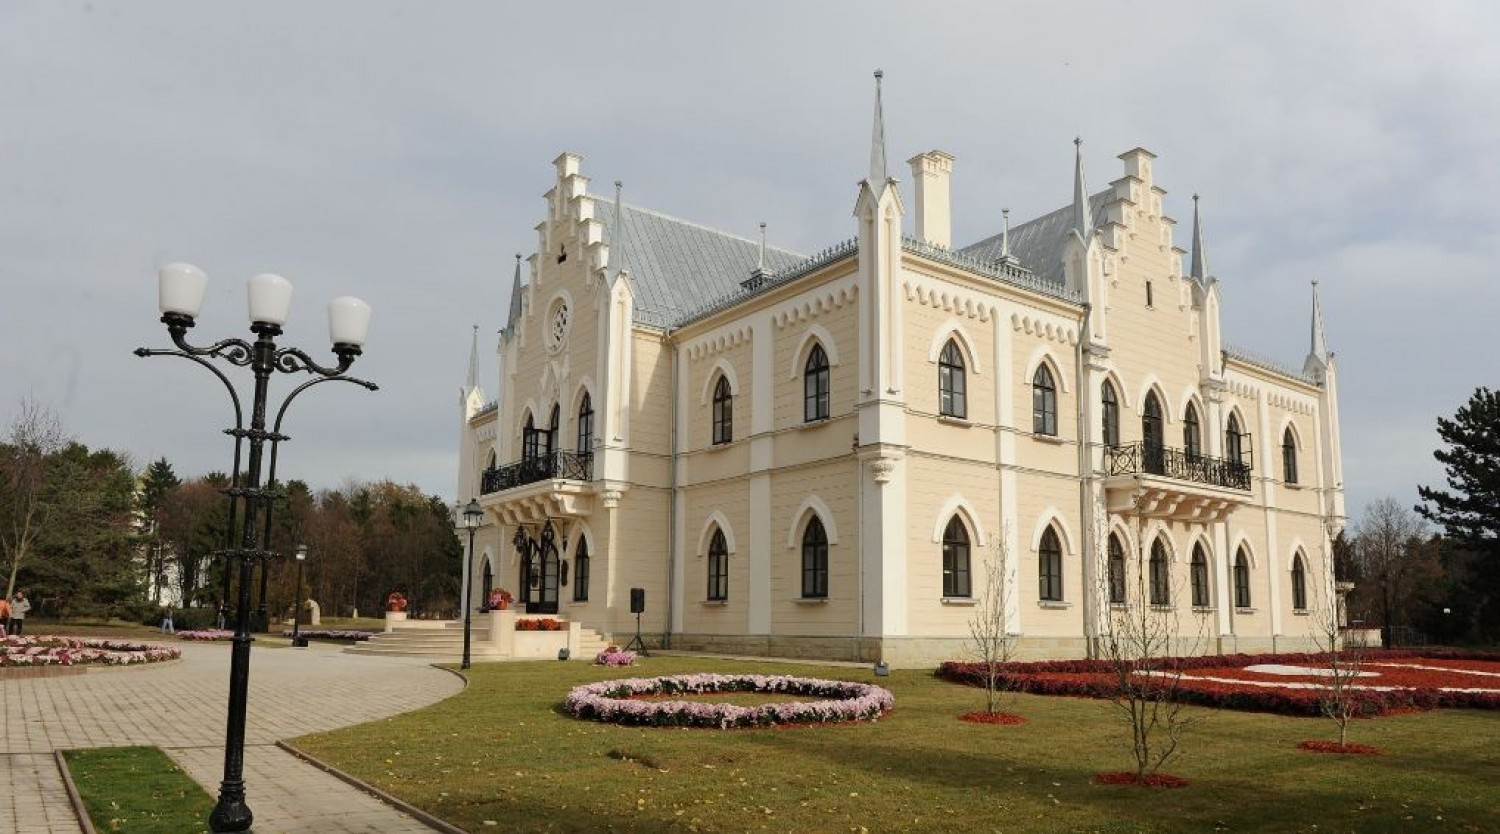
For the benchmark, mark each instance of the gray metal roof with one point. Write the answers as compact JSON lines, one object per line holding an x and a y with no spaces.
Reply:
{"x":1038,"y":244}
{"x":678,"y":267}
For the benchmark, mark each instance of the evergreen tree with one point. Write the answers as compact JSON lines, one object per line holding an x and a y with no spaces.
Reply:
{"x":1469,"y":510}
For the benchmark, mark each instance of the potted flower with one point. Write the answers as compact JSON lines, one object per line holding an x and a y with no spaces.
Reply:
{"x":500,"y":599}
{"x":395,"y":601}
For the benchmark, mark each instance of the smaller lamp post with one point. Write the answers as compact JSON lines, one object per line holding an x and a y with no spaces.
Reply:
{"x":472,"y":514}
{"x":297,"y":640}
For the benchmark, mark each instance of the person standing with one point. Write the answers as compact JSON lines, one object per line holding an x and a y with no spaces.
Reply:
{"x":166,"y":622}
{"x":19,"y":605}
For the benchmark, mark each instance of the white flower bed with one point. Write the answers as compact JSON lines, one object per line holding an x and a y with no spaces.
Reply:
{"x":73,"y":651}
{"x":618,"y":701}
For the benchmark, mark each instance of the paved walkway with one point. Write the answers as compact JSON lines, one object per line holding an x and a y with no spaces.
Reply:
{"x":181,"y":706}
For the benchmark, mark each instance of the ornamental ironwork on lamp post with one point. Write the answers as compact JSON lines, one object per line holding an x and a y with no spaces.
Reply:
{"x":472,"y":514}
{"x":297,"y":640}
{"x":182,"y":288}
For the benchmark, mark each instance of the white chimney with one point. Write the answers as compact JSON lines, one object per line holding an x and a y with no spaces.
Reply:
{"x":931,"y":172}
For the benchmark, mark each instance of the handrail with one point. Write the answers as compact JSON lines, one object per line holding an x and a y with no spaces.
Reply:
{"x":569,"y":466}
{"x":1151,"y":459}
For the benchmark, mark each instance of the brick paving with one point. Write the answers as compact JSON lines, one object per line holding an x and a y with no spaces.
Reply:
{"x":181,"y":707}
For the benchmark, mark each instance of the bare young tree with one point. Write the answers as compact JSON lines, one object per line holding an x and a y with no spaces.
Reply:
{"x":30,"y":441}
{"x":1344,"y":662}
{"x":1136,"y":637}
{"x":988,"y":631}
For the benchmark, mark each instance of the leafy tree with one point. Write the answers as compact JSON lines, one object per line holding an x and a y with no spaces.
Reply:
{"x":1469,"y":510}
{"x":30,"y":442}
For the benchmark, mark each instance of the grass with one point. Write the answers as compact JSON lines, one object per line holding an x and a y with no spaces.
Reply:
{"x":138,"y":790}
{"x":502,"y":753}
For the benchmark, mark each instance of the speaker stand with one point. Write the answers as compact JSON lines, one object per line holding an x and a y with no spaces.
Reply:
{"x":636,"y":644}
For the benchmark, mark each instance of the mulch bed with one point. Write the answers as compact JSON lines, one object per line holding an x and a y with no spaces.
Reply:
{"x":1348,"y":749}
{"x":982,"y":717}
{"x":1149,"y":780}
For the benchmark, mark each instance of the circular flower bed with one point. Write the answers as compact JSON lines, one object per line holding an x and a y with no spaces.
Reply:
{"x":1146,"y":780}
{"x":1348,"y":749}
{"x":982,"y":717}
{"x":616,"y":701}
{"x":206,"y":635}
{"x":74,"y":651}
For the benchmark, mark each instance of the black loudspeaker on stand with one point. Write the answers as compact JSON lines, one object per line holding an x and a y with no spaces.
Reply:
{"x":638,"y":607}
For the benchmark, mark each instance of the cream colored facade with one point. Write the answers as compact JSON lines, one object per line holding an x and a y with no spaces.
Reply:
{"x":1096,"y":293}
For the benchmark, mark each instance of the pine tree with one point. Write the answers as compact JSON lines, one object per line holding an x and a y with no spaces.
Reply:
{"x":1469,"y":510}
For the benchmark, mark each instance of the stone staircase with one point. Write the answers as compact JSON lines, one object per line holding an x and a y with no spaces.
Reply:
{"x":446,"y":643}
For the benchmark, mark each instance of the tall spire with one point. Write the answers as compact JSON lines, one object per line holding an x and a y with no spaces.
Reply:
{"x":760,"y":265}
{"x":473,"y":381}
{"x":515,"y":296}
{"x":617,"y":233}
{"x":1005,"y":234}
{"x":1319,"y":348}
{"x":1199,"y":269}
{"x":878,"y":174}
{"x":1083,"y":217}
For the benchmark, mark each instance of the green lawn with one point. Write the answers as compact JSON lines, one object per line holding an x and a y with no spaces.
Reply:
{"x":503,"y":752}
{"x":138,"y":790}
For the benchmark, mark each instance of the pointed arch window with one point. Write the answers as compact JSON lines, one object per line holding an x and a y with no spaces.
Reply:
{"x":1043,"y":402}
{"x":581,"y":570}
{"x":1241,"y":580}
{"x":530,"y":440}
{"x":956,"y":560}
{"x":1234,"y":440}
{"x":1110,"y":414}
{"x":1299,"y":584}
{"x":1199,"y":575}
{"x":1161,"y":575}
{"x":814,"y":560}
{"x":1289,"y":456}
{"x":718,"y":567}
{"x":815,"y":386}
{"x":586,"y":425}
{"x":723,"y":411}
{"x":953,"y":398}
{"x":1152,"y":443}
{"x":1049,"y":567}
{"x":554,"y":423}
{"x":1192,"y":437}
{"x":1116,"y":570}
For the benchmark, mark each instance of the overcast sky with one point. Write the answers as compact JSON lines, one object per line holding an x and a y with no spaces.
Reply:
{"x":398,"y":152}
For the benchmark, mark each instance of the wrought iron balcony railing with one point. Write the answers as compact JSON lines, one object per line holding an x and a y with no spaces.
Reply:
{"x":1150,"y":459}
{"x":566,"y":465}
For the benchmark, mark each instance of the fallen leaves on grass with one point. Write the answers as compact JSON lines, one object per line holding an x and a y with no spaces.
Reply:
{"x":981,"y":717}
{"x":1147,"y":780}
{"x":1349,"y":749}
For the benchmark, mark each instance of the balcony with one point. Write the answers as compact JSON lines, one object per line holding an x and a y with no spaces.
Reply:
{"x":532,"y":490}
{"x":555,"y":466}
{"x":1162,"y":482}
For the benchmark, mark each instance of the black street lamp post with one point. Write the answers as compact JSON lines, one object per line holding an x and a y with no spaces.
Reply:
{"x":181,"y":297}
{"x":297,"y":639}
{"x":472,"y":514}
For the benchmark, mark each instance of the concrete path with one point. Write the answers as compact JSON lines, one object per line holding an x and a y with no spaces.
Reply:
{"x":181,"y":707}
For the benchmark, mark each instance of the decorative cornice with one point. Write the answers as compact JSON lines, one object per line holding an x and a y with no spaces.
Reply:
{"x":719,"y":341}
{"x":1040,"y":327}
{"x":824,"y":299}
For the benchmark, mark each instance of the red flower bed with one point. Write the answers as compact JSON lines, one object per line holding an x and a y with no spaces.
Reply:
{"x":982,"y":717}
{"x":1342,"y":749}
{"x":543,"y":624}
{"x":1149,"y":780}
{"x":1418,"y":690}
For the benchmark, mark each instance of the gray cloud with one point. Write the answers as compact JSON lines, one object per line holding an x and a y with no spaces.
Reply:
{"x":398,"y":151}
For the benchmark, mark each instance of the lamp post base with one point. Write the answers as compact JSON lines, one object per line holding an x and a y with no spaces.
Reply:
{"x":231,"y":814}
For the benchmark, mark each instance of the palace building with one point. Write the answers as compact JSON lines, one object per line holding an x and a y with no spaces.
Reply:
{"x":818,"y":455}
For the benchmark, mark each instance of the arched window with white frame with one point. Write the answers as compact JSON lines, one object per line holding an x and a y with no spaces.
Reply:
{"x":1110,"y":414}
{"x":1299,"y":583}
{"x":814,"y":560}
{"x":1241,"y":579}
{"x":1289,"y":456}
{"x":952,"y":385}
{"x":1043,"y":402}
{"x":1198,"y":571}
{"x":723,"y":412}
{"x":718,"y":567}
{"x":956,"y":582}
{"x":1049,"y":567}
{"x":1160,"y":574}
{"x":816,"y":386}
{"x":1116,"y":570}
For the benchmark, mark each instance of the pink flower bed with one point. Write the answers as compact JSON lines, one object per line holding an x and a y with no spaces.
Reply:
{"x":330,"y":634}
{"x":73,"y":651}
{"x":206,"y":635}
{"x":619,"y":701}
{"x":1402,"y":680}
{"x":614,"y":656}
